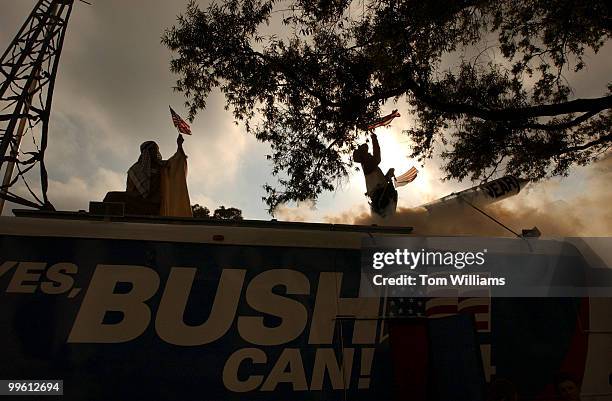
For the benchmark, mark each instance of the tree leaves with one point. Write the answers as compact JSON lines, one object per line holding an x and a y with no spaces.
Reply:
{"x":308,"y":88}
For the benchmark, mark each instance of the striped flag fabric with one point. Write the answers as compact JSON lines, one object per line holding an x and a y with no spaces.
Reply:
{"x":480,"y":307}
{"x":437,"y":307}
{"x":441,"y":307}
{"x":407,"y":177}
{"x":386,"y":120}
{"x":444,"y":302}
{"x":476,"y":302}
{"x":179,"y":123}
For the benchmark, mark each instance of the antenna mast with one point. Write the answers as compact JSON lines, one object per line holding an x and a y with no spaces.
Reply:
{"x":28,"y":69}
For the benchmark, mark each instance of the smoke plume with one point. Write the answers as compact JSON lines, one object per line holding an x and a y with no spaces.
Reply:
{"x":586,"y":214}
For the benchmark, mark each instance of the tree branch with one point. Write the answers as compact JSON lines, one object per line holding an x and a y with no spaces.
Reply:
{"x":518,"y":113}
{"x":295,"y":79}
{"x":560,"y":126}
{"x":599,"y":141}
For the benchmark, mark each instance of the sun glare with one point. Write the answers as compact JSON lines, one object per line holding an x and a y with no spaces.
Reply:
{"x":395,"y":150}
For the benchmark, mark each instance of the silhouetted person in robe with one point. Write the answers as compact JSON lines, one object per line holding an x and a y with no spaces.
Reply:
{"x":144,"y":177}
{"x":155,"y":186}
{"x":380,"y":188}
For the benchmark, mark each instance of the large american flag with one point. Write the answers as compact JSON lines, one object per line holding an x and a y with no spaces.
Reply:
{"x":407,"y":177}
{"x":179,"y":123}
{"x":473,"y":302}
{"x":477,"y":303}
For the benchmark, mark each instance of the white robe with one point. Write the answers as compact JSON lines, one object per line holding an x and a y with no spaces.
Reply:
{"x":376,"y":179}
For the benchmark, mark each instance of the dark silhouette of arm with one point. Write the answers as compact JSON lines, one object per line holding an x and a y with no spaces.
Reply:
{"x":376,"y":150}
{"x":179,"y":143}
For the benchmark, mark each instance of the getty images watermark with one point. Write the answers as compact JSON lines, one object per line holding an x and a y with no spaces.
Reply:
{"x":521,"y":267}
{"x":419,"y":261}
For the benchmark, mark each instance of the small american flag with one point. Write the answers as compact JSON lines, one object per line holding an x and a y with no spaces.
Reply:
{"x":179,"y":123}
{"x":407,"y":177}
{"x":386,"y":120}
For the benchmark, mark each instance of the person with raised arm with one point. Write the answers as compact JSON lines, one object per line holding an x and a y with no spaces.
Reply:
{"x":379,"y":186}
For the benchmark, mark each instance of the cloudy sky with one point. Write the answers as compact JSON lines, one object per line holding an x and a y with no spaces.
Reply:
{"x":113,"y":92}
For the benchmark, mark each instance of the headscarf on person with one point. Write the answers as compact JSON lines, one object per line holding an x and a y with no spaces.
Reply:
{"x":140,"y":173}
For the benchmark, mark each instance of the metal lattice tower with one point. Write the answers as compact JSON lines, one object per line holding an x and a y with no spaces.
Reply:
{"x":28,"y":69}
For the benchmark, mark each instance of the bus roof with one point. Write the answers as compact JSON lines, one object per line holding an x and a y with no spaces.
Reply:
{"x":203,"y":221}
{"x":192,"y":230}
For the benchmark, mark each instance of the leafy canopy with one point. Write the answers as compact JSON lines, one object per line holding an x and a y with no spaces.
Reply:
{"x":503,"y":105}
{"x":222,"y":213}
